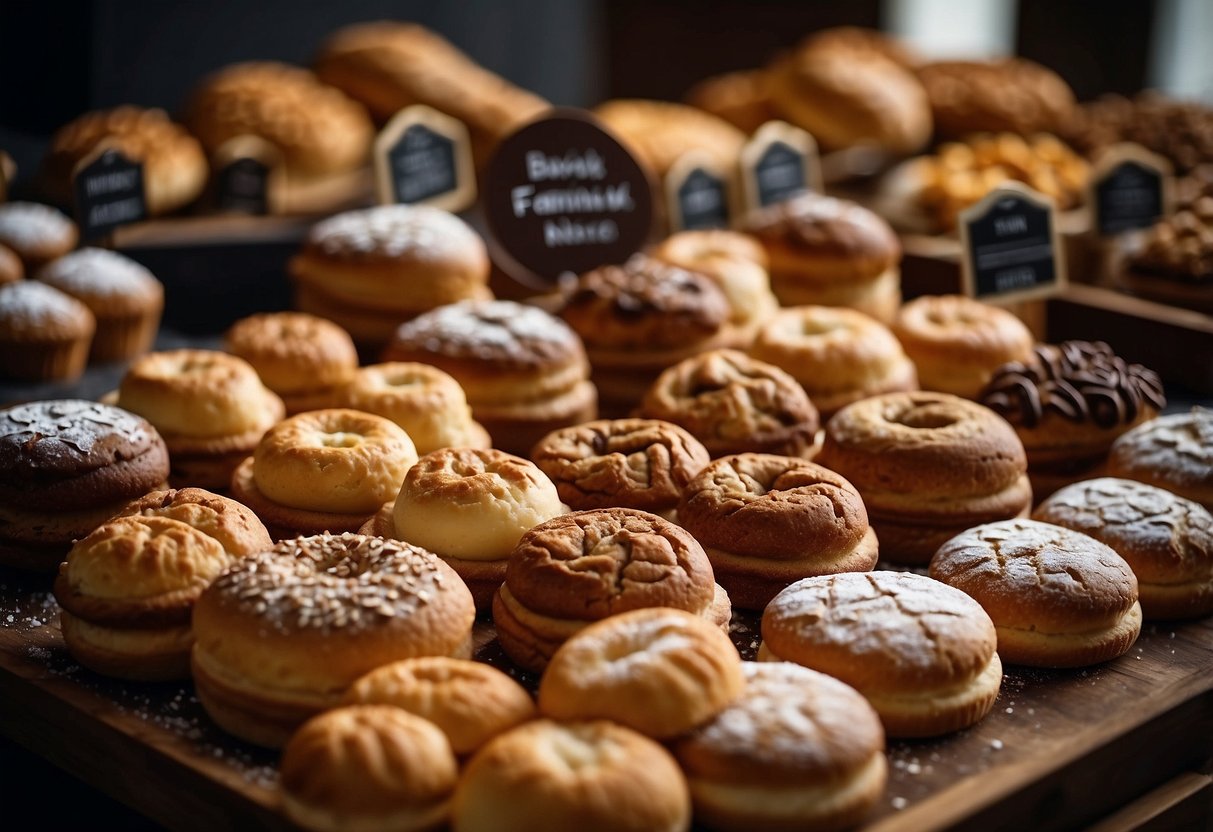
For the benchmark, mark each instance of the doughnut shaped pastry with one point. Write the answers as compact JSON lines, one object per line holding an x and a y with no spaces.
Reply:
{"x":1173,"y":452}
{"x":282,"y":634}
{"x":766,"y":521}
{"x":1058,"y":597}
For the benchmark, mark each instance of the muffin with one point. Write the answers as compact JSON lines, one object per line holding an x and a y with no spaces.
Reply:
{"x":37,"y":233}
{"x":45,"y":334}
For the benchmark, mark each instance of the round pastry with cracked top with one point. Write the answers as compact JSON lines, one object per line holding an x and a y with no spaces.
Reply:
{"x":233,"y":524}
{"x":37,"y":233}
{"x":368,"y":767}
{"x":928,"y":466}
{"x":625,"y":463}
{"x":471,"y":702}
{"x":1069,"y":404}
{"x":797,"y":750}
{"x":305,"y":359}
{"x":837,"y":355}
{"x":281,"y":635}
{"x":571,"y":571}
{"x":323,"y":471}
{"x":211,"y":408}
{"x":957,"y":343}
{"x":766,"y":521}
{"x":830,"y":252}
{"x":641,"y":317}
{"x":470,"y":507}
{"x":126,"y":593}
{"x":1058,"y":597}
{"x":921,"y":652}
{"x":67,"y":466}
{"x":734,"y":404}
{"x":524,"y":370}
{"x":585,"y":776}
{"x":1173,"y":452}
{"x":660,"y":671}
{"x":44,"y":333}
{"x":428,"y":403}
{"x":1165,"y":539}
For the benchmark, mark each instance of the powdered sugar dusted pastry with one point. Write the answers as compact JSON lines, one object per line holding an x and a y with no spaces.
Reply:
{"x":1173,"y":452}
{"x":37,"y":233}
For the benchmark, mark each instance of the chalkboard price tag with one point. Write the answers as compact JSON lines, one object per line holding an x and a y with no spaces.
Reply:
{"x":247,"y":176}
{"x":109,"y":192}
{"x":1130,"y":189}
{"x":563,"y":195}
{"x":424,"y":157}
{"x":1010,"y":246}
{"x":697,"y":194}
{"x":778,"y":163}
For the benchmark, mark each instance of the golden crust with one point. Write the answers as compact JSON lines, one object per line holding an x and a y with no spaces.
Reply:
{"x":233,"y":524}
{"x":1174,"y":452}
{"x":286,"y":521}
{"x":294,"y":353}
{"x":659,"y":132}
{"x":740,"y":98}
{"x":1036,"y":649}
{"x":153,"y":654}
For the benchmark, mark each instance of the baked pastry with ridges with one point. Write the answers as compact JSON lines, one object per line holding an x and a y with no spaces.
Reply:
{"x":1174,"y":452}
{"x":45,"y":334}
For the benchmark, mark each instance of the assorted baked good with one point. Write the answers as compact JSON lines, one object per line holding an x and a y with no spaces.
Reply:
{"x":470,"y":702}
{"x":1173,"y":260}
{"x":1166,"y":540}
{"x":1014,"y":95}
{"x":67,"y":466}
{"x":767,"y":521}
{"x":371,"y":269}
{"x":572,"y":777}
{"x":627,"y":463}
{"x":929,"y":466}
{"x":956,"y":342}
{"x":174,"y":166}
{"x":282,"y":635}
{"x":573,"y":570}
{"x":45,"y":334}
{"x":36,"y":233}
{"x":323,"y":471}
{"x":470,"y":507}
{"x":1057,"y":597}
{"x":641,"y":317}
{"x":524,"y":370}
{"x":733,"y":404}
{"x":233,"y":524}
{"x":428,"y":403}
{"x":837,"y":355}
{"x":1174,"y":452}
{"x":797,"y":750}
{"x":306,"y":360}
{"x":830,"y":252}
{"x":1069,"y":404}
{"x":740,"y":98}
{"x":210,"y":407}
{"x":1182,"y":131}
{"x":125,"y":298}
{"x":658,"y":133}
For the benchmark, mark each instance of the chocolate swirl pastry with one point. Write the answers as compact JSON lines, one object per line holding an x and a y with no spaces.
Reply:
{"x":1077,"y":380}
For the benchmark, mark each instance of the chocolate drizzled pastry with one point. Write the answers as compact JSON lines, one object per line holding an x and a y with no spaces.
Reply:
{"x":1078,"y":380}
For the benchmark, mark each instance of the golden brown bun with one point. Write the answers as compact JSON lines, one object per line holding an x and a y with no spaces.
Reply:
{"x":920,"y":651}
{"x":428,"y":403}
{"x":862,"y":42}
{"x":798,"y":750}
{"x":659,"y":132}
{"x":368,"y":767}
{"x":838,"y":355}
{"x":740,"y":98}
{"x":1058,"y":598}
{"x":303,"y":358}
{"x":929,"y":466}
{"x":957,"y":342}
{"x":846,"y":97}
{"x":233,"y":524}
{"x":626,"y":463}
{"x":1173,"y":452}
{"x":388,"y":66}
{"x":733,"y":404}
{"x":766,"y":521}
{"x":45,"y":334}
{"x":572,"y":777}
{"x":660,"y":671}
{"x":1011,"y":94}
{"x":469,"y":701}
{"x":581,"y":567}
{"x":11,"y":269}
{"x":126,"y":591}
{"x":36,"y":233}
{"x":174,"y":166}
{"x":1165,"y":539}
{"x":282,"y":634}
{"x":318,"y":130}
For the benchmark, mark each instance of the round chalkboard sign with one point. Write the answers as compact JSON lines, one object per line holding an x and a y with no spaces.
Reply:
{"x":563,"y":195}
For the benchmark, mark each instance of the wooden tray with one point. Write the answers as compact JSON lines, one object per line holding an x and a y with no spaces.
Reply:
{"x":1061,"y":749}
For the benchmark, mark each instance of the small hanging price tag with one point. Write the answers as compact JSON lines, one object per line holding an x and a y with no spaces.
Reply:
{"x":424,"y":157}
{"x":109,"y":193}
{"x":1130,"y":189}
{"x":779,"y":162}
{"x":248,"y":176}
{"x":697,"y":193}
{"x":1010,"y":246}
